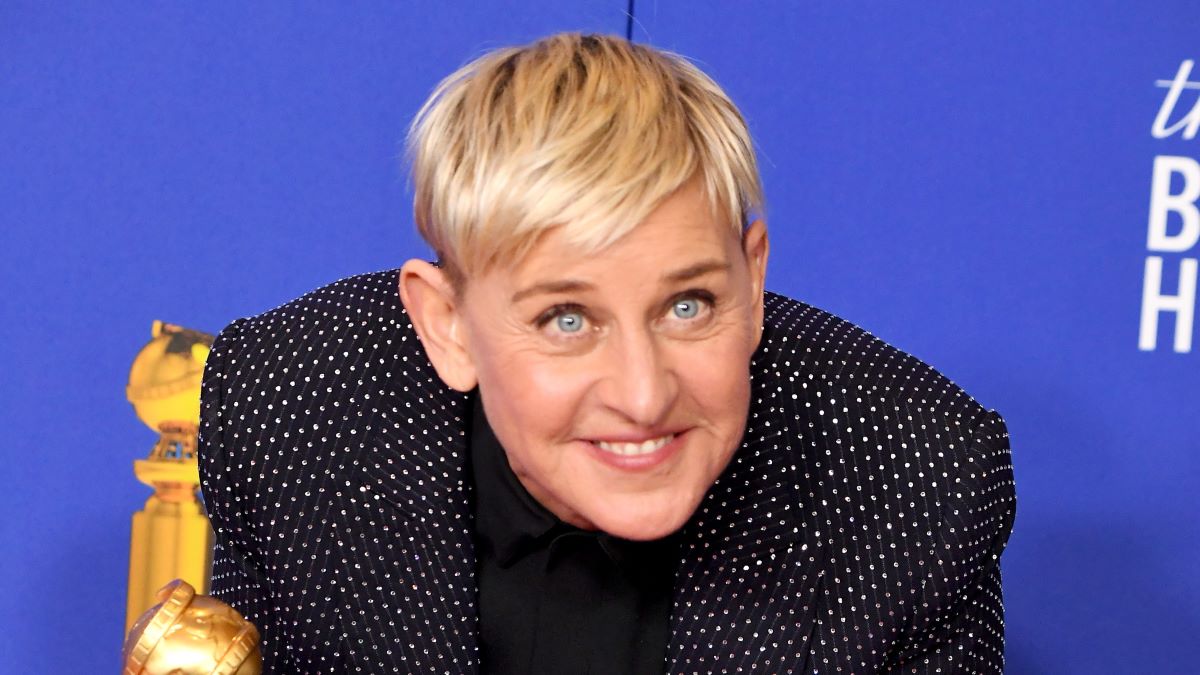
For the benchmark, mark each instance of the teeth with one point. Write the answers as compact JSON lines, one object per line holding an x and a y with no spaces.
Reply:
{"x":635,"y":448}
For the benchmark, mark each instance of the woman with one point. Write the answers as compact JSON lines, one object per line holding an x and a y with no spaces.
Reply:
{"x":587,"y":440}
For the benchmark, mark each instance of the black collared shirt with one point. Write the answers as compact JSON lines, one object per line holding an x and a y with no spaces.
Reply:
{"x":554,"y":598}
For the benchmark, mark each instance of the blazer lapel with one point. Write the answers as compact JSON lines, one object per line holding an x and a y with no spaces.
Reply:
{"x":748,"y":585}
{"x":408,"y":508}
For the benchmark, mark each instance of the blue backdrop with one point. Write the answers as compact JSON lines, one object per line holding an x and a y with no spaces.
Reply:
{"x":973,"y":182}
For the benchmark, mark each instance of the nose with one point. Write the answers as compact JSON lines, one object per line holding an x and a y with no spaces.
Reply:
{"x":641,"y":384}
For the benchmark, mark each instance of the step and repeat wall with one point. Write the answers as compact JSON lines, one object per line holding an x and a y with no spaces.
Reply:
{"x":1008,"y":190}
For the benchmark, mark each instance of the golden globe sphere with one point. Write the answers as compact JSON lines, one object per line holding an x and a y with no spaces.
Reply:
{"x":164,"y":382}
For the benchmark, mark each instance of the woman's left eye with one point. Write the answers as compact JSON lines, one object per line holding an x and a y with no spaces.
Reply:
{"x":569,"y":322}
{"x":686,"y":309}
{"x":691,"y":306}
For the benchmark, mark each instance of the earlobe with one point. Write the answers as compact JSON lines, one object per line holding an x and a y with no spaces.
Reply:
{"x":432,"y":307}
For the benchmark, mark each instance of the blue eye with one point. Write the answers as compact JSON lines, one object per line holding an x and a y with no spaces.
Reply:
{"x":569,"y":322}
{"x":686,"y":309}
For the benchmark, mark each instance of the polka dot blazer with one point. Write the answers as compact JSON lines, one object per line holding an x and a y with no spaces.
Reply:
{"x":858,"y":529}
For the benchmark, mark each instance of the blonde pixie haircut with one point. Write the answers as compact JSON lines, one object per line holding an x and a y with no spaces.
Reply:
{"x":584,"y":132}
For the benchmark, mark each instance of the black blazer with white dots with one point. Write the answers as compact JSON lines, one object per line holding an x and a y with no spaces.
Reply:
{"x":858,"y":528}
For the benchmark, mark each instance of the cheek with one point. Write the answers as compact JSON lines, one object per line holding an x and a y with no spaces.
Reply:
{"x":726,"y":390}
{"x":716,"y":377}
{"x":531,"y":401}
{"x":545,"y":388}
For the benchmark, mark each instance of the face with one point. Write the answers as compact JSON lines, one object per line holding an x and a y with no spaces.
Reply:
{"x":618,"y":382}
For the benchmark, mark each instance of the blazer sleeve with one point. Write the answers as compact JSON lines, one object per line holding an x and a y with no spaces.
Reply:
{"x":964,"y":624}
{"x":237,"y":576}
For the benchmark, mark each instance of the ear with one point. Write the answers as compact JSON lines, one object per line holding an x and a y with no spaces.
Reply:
{"x":756,"y":247}
{"x":433,"y":308}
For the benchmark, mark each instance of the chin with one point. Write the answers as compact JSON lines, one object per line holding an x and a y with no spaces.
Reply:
{"x":645,"y":524}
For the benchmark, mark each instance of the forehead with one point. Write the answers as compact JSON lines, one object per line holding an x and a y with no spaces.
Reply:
{"x":681,"y":231}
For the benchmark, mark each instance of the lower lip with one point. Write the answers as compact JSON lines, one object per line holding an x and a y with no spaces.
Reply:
{"x":639,"y":462}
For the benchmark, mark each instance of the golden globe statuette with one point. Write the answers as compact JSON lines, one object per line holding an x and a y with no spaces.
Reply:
{"x":184,"y":633}
{"x":190,"y":634}
{"x":171,"y":536}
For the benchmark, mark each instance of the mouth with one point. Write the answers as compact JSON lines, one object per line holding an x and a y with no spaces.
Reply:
{"x":640,"y":455}
{"x":635,"y":449}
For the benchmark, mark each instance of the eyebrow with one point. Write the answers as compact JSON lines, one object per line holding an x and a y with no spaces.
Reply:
{"x":566,"y":286}
{"x":698,"y":270}
{"x":574,"y":286}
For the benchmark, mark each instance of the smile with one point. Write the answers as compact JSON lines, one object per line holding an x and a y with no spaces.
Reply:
{"x":633,"y":449}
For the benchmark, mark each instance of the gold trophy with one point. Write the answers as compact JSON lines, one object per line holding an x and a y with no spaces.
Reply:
{"x":189,"y":634}
{"x":183,"y":633}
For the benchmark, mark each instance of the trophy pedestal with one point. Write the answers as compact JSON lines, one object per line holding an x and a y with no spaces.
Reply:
{"x":171,"y":537}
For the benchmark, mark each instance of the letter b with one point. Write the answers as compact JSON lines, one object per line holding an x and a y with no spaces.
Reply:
{"x":1162,"y":202}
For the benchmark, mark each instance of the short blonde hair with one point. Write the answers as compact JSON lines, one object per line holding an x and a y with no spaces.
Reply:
{"x":585,"y":132}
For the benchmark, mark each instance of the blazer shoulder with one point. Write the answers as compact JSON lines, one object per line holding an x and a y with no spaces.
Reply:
{"x":329,"y":382}
{"x":370,"y":301}
{"x":841,"y":392}
{"x":342,"y":347}
{"x":802,"y":340}
{"x":893,"y":461}
{"x":337,"y":335}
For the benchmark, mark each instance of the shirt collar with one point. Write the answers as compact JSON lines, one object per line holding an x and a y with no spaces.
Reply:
{"x":508,"y":520}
